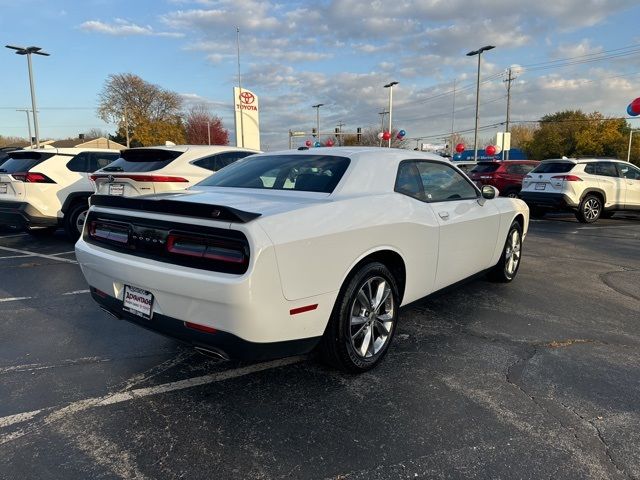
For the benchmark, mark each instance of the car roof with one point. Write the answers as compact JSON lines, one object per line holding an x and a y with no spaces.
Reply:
{"x":363,"y":153}
{"x":583,"y":160}
{"x":68,"y":151}
{"x":199,"y":148}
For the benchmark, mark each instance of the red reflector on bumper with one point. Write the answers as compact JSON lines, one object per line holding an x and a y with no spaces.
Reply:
{"x":307,"y":308}
{"x":200,"y":328}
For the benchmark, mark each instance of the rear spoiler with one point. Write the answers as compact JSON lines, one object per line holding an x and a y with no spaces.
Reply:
{"x":173,"y":207}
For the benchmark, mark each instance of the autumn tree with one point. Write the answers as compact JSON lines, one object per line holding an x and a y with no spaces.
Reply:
{"x":202,"y":127}
{"x":574,"y":133}
{"x":522,"y":135}
{"x":149,"y":112}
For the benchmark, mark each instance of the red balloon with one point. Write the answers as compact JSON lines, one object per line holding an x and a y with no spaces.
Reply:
{"x":460,"y":147}
{"x":635,"y":106}
{"x":308,"y":143}
{"x":490,"y":150}
{"x":386,"y":136}
{"x":329,"y":143}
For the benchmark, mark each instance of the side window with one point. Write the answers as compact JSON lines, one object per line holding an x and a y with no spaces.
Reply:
{"x":629,"y":171}
{"x":79,"y":163}
{"x":98,"y":160}
{"x":590,"y":168}
{"x":408,"y":181}
{"x":514,"y":169}
{"x":606,"y":169}
{"x":441,"y":183}
{"x":207,"y":162}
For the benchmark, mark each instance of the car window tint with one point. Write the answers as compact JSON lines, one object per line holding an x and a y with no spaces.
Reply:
{"x":142,"y":160}
{"x":309,"y":173}
{"x":408,"y":181}
{"x":590,"y":168}
{"x":527,"y":168}
{"x":442,"y":183}
{"x":515,"y":169}
{"x":629,"y":171}
{"x":606,"y":169}
{"x":486,"y":167}
{"x":23,"y":161}
{"x":79,"y":163}
{"x":206,"y":162}
{"x":98,"y":160}
{"x":554,"y":167}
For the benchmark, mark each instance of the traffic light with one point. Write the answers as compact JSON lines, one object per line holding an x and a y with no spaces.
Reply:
{"x":313,"y":132}
{"x":337,"y":130}
{"x":359,"y":134}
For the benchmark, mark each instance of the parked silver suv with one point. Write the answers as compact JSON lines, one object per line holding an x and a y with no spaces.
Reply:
{"x":592,"y":188}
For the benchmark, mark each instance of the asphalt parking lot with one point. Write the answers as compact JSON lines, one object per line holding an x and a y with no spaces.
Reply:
{"x":536,"y":379}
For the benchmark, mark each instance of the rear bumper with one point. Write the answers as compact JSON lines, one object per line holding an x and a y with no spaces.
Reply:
{"x":555,"y":201}
{"x":224,"y":343}
{"x":22,"y":214}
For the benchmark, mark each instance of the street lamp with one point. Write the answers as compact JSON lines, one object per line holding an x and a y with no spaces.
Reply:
{"x":390,"y":87}
{"x":317,"y":107}
{"x":28,"y":51}
{"x":475,"y":135}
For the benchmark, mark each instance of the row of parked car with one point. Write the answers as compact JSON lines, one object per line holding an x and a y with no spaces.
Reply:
{"x":592,"y":188}
{"x":42,"y":190}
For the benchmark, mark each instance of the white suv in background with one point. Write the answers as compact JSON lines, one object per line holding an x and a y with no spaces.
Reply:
{"x":592,"y":188}
{"x":49,"y":187}
{"x":146,"y":170}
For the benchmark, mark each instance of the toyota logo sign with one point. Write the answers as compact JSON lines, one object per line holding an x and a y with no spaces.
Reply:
{"x":247,"y":98}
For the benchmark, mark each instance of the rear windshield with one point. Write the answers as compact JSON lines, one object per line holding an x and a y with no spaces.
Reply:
{"x":143,"y":160}
{"x":23,"y":161}
{"x":485,"y":168}
{"x":554,"y":167}
{"x":307,"y":173}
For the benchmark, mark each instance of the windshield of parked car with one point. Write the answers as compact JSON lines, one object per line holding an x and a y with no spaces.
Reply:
{"x":142,"y":160}
{"x":553,"y":167}
{"x":485,"y":168}
{"x":307,"y":173}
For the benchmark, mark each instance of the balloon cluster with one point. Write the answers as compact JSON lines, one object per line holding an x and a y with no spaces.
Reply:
{"x":386,"y":135}
{"x":460,"y":147}
{"x":328,"y":143}
{"x":633,"y":109}
{"x":492,"y":150}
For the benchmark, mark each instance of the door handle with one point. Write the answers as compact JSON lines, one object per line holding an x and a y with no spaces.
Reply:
{"x":444,"y":215}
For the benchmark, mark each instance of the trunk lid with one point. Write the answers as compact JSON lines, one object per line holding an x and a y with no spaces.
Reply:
{"x":547,"y":177}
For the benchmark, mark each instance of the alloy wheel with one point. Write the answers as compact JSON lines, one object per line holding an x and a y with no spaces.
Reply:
{"x":591,"y":209}
{"x":372,"y":314}
{"x":512,"y":253}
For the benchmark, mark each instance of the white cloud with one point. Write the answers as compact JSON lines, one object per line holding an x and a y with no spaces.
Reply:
{"x":124,"y":28}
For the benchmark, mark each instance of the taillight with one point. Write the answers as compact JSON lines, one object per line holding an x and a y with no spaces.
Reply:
{"x":143,"y":178}
{"x":109,"y":232}
{"x":206,"y":248}
{"x":567,"y":178}
{"x":32,"y":177}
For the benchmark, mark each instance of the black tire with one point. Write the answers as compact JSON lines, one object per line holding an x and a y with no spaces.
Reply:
{"x":504,"y":271}
{"x":72,"y":224}
{"x":339,"y":343}
{"x":42,"y":231}
{"x":511,"y":193}
{"x":590,"y":209}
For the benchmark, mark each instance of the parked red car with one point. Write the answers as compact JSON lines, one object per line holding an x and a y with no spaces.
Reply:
{"x":506,"y":176}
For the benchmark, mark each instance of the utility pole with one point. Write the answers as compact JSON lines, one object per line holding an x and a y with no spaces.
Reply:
{"x":390,"y":86}
{"x":510,"y":78}
{"x":209,"y":132}
{"x":317,"y":107}
{"x":453,"y":117}
{"x":340,"y":125}
{"x":629,"y":149}
{"x":26,"y":110}
{"x":382,"y":114}
{"x":126,"y":125}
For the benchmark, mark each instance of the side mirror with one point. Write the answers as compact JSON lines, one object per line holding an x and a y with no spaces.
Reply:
{"x":489,"y":192}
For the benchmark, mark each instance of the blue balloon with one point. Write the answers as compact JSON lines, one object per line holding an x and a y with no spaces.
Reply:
{"x":630,"y":111}
{"x":402,"y":133}
{"x":317,"y":144}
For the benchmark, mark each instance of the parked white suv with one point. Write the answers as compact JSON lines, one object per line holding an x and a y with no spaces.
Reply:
{"x":592,"y":188}
{"x":146,"y":170}
{"x":49,"y":187}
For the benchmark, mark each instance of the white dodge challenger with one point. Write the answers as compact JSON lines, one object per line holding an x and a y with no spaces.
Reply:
{"x":284,"y":252}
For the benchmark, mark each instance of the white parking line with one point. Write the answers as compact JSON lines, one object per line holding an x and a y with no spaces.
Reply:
{"x":15,"y":256}
{"x":14,"y":299}
{"x":42,"y":255}
{"x":119,"y":397}
{"x":14,"y":235}
{"x":76,"y":292}
{"x":63,"y":253}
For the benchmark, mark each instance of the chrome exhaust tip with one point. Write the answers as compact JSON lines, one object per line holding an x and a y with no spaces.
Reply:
{"x":212,"y":352}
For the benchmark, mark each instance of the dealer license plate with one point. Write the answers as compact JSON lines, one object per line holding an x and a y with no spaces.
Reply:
{"x":138,"y":301}
{"x":116,"y":189}
{"x":3,"y":188}
{"x":540,"y":186}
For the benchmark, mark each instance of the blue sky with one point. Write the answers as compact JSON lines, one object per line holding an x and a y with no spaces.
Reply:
{"x":340,"y":53}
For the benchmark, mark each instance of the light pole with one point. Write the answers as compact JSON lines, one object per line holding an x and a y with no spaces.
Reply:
{"x":240,"y":89}
{"x":26,"y":110}
{"x":475,"y":135}
{"x":629,"y":149}
{"x":317,"y":107}
{"x":28,"y":51}
{"x":390,"y":87}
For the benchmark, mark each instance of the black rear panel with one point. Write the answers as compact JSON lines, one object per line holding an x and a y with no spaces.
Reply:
{"x":554,"y":167}
{"x":142,"y":160}
{"x":23,"y":161}
{"x":147,"y":238}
